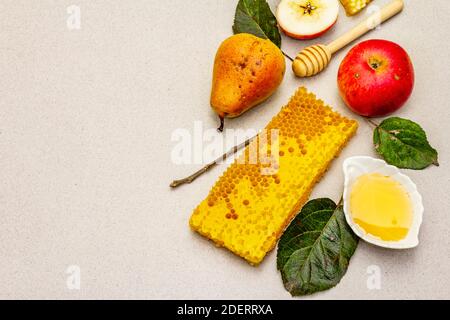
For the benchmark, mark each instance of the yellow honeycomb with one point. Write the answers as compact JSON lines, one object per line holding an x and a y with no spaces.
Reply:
{"x":352,"y":7}
{"x":247,"y":210}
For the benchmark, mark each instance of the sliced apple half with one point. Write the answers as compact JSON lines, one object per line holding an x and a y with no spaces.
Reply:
{"x":307,"y":19}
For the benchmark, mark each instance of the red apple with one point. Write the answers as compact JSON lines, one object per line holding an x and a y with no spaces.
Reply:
{"x":307,"y":19}
{"x":376,"y":78}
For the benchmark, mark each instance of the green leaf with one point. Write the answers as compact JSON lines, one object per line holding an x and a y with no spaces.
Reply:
{"x":314,"y":251}
{"x":403,"y":143}
{"x":255,"y":17}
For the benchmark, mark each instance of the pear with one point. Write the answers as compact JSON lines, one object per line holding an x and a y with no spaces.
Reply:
{"x":247,"y":71}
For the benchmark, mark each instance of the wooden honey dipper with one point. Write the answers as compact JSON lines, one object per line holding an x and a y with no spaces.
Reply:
{"x":314,"y":59}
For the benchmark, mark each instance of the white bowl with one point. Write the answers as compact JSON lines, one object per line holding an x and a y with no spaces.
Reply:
{"x":354,"y":167}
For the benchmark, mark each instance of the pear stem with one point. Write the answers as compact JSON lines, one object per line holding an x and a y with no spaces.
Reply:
{"x":222,"y":122}
{"x":195,"y":175}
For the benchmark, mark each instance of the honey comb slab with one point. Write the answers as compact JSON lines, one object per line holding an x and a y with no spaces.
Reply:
{"x":353,"y":7}
{"x":247,"y":209}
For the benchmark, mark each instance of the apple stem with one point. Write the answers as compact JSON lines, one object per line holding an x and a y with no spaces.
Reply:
{"x":375,"y":63}
{"x":287,"y":56}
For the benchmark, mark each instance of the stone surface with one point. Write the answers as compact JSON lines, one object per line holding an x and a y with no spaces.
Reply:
{"x":86,"y":118}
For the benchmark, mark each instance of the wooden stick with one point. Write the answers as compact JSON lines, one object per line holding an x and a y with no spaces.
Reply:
{"x":195,"y":175}
{"x":368,"y":24}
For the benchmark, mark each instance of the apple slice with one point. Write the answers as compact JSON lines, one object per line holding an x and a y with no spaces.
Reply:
{"x":307,"y":19}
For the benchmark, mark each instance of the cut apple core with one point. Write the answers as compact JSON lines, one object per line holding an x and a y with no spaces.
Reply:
{"x":308,"y":9}
{"x":307,"y":19}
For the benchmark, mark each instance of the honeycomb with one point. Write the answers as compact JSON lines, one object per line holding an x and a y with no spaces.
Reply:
{"x":248,"y":208}
{"x":352,"y":7}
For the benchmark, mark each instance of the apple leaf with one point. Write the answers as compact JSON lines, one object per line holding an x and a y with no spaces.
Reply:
{"x":255,"y":17}
{"x":315,"y":250}
{"x":403,"y":143}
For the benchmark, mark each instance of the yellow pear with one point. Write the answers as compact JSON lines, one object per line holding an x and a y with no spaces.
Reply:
{"x":247,"y":71}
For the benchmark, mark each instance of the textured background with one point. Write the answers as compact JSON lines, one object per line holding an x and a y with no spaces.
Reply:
{"x":86,"y":118}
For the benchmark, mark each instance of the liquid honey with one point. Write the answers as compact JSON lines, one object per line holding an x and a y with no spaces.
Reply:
{"x":381,"y":207}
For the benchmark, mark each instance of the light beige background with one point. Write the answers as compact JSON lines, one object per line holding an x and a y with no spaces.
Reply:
{"x":86,"y":118}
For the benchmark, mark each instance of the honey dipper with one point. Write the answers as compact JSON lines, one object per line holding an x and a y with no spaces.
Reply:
{"x":314,"y":59}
